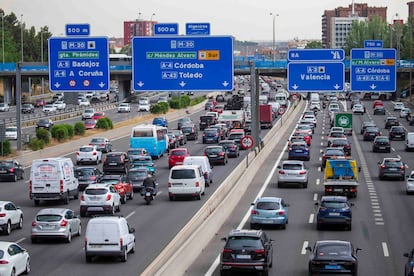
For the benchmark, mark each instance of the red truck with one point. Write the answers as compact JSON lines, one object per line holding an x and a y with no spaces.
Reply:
{"x":266,"y":115}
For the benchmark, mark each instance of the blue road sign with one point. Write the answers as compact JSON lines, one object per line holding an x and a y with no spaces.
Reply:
{"x":197,"y":28}
{"x":78,"y":64}
{"x":316,"y":55}
{"x":166,"y":29}
{"x":316,"y":76}
{"x":373,"y":70}
{"x":77,"y":29}
{"x":373,"y":43}
{"x":180,"y":63}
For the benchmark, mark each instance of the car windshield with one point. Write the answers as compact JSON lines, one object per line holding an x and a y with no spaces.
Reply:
{"x":236,"y":242}
{"x":393,"y":163}
{"x":340,"y":142}
{"x":381,"y":140}
{"x":334,"y":204}
{"x":213,"y":150}
{"x":96,"y":191}
{"x":293,"y":167}
{"x":333,"y":250}
{"x":183,"y":174}
{"x":179,"y":152}
{"x":210,"y":131}
{"x":336,"y":134}
{"x":6,"y":165}
{"x":263,"y":205}
{"x":135,"y":152}
{"x":86,"y":149}
{"x":392,"y":119}
{"x":138,"y":174}
{"x":397,"y":129}
{"x":236,"y":136}
{"x":334,"y":152}
{"x":97,"y":140}
{"x":11,"y":128}
{"x":84,"y":172}
{"x":48,"y":218}
{"x":372,"y":129}
{"x":187,"y":129}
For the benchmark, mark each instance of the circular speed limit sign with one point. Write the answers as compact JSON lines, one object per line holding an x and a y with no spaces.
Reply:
{"x":281,"y":110}
{"x":246,"y":142}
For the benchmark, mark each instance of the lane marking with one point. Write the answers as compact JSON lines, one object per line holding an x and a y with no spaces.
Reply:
{"x":20,"y":240}
{"x":385,"y":249}
{"x":315,"y":196}
{"x":130,"y":214}
{"x":311,"y":217}
{"x":305,"y":244}
{"x":318,"y":181}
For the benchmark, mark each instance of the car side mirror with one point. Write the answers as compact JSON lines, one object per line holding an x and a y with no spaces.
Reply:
{"x":223,"y":239}
{"x":279,"y":167}
{"x":351,"y":204}
{"x":379,"y":163}
{"x":252,"y":204}
{"x":406,"y":255}
{"x":308,"y":248}
{"x":131,"y":230}
{"x":357,"y":250}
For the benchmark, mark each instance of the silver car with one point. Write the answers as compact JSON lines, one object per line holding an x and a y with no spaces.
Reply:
{"x":292,"y":171}
{"x":59,"y":223}
{"x":410,"y":183}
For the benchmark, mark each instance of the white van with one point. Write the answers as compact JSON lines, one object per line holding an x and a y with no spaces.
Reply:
{"x":203,"y":162}
{"x":409,"y":141}
{"x":186,"y":180}
{"x":109,"y":236}
{"x":53,"y":179}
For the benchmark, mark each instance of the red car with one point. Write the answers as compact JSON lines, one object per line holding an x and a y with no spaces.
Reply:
{"x":218,"y":108}
{"x":90,"y":124}
{"x":98,"y":115}
{"x":39,"y":103}
{"x":377,"y":103}
{"x":124,"y":188}
{"x":176,"y":156}
{"x":305,"y":136}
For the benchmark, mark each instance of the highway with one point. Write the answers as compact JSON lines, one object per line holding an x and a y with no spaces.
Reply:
{"x":382,"y":212}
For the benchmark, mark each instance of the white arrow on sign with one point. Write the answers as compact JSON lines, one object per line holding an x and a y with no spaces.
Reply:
{"x":140,"y":84}
{"x":182,"y":83}
{"x":101,"y":84}
{"x":337,"y":86}
{"x":225,"y":83}
{"x":372,"y":86}
{"x":295,"y":86}
{"x":57,"y":85}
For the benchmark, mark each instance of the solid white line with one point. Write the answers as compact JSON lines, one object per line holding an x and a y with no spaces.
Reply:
{"x":20,"y":240}
{"x":385,"y":249}
{"x":305,"y":244}
{"x":311,"y":217}
{"x":315,"y":196}
{"x":130,"y":214}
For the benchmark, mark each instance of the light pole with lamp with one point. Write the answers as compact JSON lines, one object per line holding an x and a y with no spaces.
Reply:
{"x":41,"y":59}
{"x":152,"y":25}
{"x":274,"y":36}
{"x":2,"y":34}
{"x":21,"y":22}
{"x":392,"y":27}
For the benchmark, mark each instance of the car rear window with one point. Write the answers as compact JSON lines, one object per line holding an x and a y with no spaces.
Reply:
{"x":393,"y":163}
{"x":48,"y":218}
{"x":113,"y":158}
{"x":333,"y":250}
{"x":335,"y":152}
{"x":382,"y":140}
{"x":268,"y":205}
{"x":210,"y":131}
{"x":136,"y":174}
{"x":292,"y":166}
{"x":86,"y":149}
{"x":243,"y":242}
{"x":97,"y":191}
{"x":183,"y":174}
{"x":213,"y":150}
{"x":6,"y":165}
{"x":333,"y":204}
{"x":236,"y":136}
{"x":97,"y":140}
{"x":179,"y":152}
{"x":187,"y":129}
{"x":84,"y":172}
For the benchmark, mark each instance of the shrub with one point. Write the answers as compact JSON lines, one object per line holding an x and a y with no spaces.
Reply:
{"x":79,"y":128}
{"x":164,"y":107}
{"x":5,"y":148}
{"x":36,"y":144}
{"x":197,"y":100}
{"x":104,"y":123}
{"x":43,"y":135}
{"x":159,"y":108}
{"x":185,"y":101}
{"x":70,"y":129}
{"x":61,"y":133}
{"x":175,"y":103}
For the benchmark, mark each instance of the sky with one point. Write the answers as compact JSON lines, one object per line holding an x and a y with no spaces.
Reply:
{"x":244,"y":19}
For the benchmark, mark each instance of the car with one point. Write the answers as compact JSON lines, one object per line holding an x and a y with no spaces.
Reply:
{"x":179,"y":135}
{"x":49,"y":108}
{"x":160,"y":121}
{"x":58,"y":96}
{"x":44,"y":123}
{"x":309,"y":123}
{"x":143,"y":161}
{"x":40,"y":103}
{"x":98,"y":115}
{"x":11,"y":170}
{"x":379,"y":110}
{"x":334,"y":135}
{"x":90,"y":123}
{"x":162,"y":99}
{"x":84,"y":102}
{"x":409,"y":264}
{"x":231,"y":147}
{"x":172,"y":141}
{"x":11,"y":133}
{"x":221,"y":130}
{"x":135,"y":152}
{"x":136,"y":177}
{"x":88,"y":154}
{"x":397,"y":132}
{"x":218,"y":108}
{"x":4,"y":107}
{"x":86,"y":176}
{"x":216,"y":154}
{"x":299,"y":151}
{"x":206,"y":121}
{"x":103,"y":144}
{"x":89,"y":94}
{"x":186,"y":181}
{"x":60,"y":105}
{"x":190,"y":131}
{"x":333,"y":257}
{"x":410,"y":184}
{"x":334,"y":210}
{"x":398,"y":106}
{"x":292,"y":172}
{"x":211,"y":135}
{"x":304,"y":135}
{"x":176,"y":156}
{"x":11,"y":217}
{"x":381,"y":143}
{"x":144,"y":104}
{"x":27,"y":108}
{"x":124,"y":107}
{"x":115,"y":162}
{"x":208,"y":105}
{"x":405,"y":112}
{"x":391,"y":121}
{"x":342,"y":143}
{"x":246,"y":251}
{"x":15,"y":260}
{"x":310,"y":117}
{"x":220,"y":98}
{"x":332,"y":153}
{"x":123,"y":187}
{"x":366,"y":124}
{"x":88,"y":113}
{"x":236,"y":135}
{"x":184,"y":121}
{"x":100,"y":198}
{"x":269,"y":211}
{"x":305,"y":128}
{"x":295,"y":138}
{"x":358,"y":109}
{"x":377,"y":103}
{"x":370,"y":133}
{"x":55,"y":223}
{"x":391,"y":167}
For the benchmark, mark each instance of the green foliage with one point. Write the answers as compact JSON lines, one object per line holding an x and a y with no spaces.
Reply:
{"x":36,"y":144}
{"x":79,"y":128}
{"x":104,"y":123}
{"x":60,"y":132}
{"x":314,"y":45}
{"x":197,"y":100}
{"x":70,"y":129}
{"x":5,"y":148}
{"x":175,"y":103}
{"x":185,"y":101}
{"x":159,"y":108}
{"x":43,"y":135}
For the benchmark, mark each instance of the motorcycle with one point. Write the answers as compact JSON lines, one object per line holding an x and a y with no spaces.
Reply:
{"x":149,"y":194}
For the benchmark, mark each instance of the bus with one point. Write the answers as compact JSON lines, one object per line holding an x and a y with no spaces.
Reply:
{"x":150,"y":137}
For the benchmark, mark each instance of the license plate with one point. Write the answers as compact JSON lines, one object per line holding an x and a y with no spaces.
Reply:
{"x":381,"y":147}
{"x":46,"y":227}
{"x":299,"y":150}
{"x":112,"y":164}
{"x":94,"y":209}
{"x":3,"y":171}
{"x":243,"y":257}
{"x":147,"y":194}
{"x":334,"y":214}
{"x":95,"y":246}
{"x":332,"y":267}
{"x":213,"y":155}
{"x":268,"y":221}
{"x":338,"y":190}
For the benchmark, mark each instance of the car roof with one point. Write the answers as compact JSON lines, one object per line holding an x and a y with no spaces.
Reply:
{"x":334,"y":198}
{"x":327,"y":242}
{"x":52,"y":211}
{"x":245,"y":233}
{"x":269,"y":199}
{"x":293,"y":162}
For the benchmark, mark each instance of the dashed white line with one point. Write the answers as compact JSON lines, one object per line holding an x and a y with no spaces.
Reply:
{"x":385,"y":249}
{"x":20,"y":240}
{"x":318,"y":181}
{"x":320,"y":159}
{"x":130,"y":214}
{"x":315,"y":197}
{"x":305,"y":244}
{"x":311,"y":217}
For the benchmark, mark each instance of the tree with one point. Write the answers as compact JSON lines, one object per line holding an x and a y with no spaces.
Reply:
{"x":314,"y":45}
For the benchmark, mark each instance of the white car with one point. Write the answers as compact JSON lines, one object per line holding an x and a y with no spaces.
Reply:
{"x":292,"y":171}
{"x":124,"y":107}
{"x":308,"y":117}
{"x":410,"y":183}
{"x":89,"y":94}
{"x":88,"y":154}
{"x":15,"y":260}
{"x":88,"y":113}
{"x":4,"y":107}
{"x":100,"y":198}
{"x":49,"y":108}
{"x":11,"y":133}
{"x":404,"y":112}
{"x":11,"y":217}
{"x":143,"y":106}
{"x":84,"y":102}
{"x":398,"y":106}
{"x":315,"y":105}
{"x":163,"y":99}
{"x":60,"y":105}
{"x":358,"y":108}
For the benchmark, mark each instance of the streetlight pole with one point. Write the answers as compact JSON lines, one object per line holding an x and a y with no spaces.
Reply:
{"x":152,"y":25}
{"x":41,"y":58}
{"x":21,"y":22}
{"x":2,"y":34}
{"x":274,"y":36}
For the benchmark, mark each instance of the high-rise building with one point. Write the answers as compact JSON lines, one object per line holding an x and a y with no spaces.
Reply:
{"x":410,"y":8}
{"x":336,"y":23}
{"x":137,"y":28}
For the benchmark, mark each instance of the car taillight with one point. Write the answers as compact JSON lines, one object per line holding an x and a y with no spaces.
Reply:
{"x":94,"y":153}
{"x":260,"y":251}
{"x":402,"y":167}
{"x":290,"y":148}
{"x":30,"y":186}
{"x":328,"y":189}
{"x":169,"y":184}
{"x":221,"y":153}
{"x":197,"y":184}
{"x":121,"y":242}
{"x":4,"y":262}
{"x":77,"y":153}
{"x":61,"y":185}
{"x":11,"y":170}
{"x":64,"y":223}
{"x":281,"y":172}
{"x":281,"y":213}
{"x":302,"y":172}
{"x":227,"y":250}
{"x":2,"y":215}
{"x":108,"y":197}
{"x":104,"y":159}
{"x":254,"y":212}
{"x":34,"y":223}
{"x":382,"y":166}
{"x":82,"y":197}
{"x":353,"y":190}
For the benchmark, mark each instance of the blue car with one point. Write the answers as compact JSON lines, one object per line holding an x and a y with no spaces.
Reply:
{"x":334,"y":210}
{"x":299,"y":151}
{"x":160,"y":121}
{"x":211,"y":135}
{"x":269,"y":211}
{"x":143,"y":161}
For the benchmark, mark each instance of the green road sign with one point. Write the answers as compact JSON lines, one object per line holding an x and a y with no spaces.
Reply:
{"x":343,"y":120}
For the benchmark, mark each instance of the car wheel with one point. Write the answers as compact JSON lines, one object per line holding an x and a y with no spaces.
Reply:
{"x":69,"y":237}
{"x":112,"y":211}
{"x":279,"y":184}
{"x":123,"y":199}
{"x":118,"y":208}
{"x":381,"y":177}
{"x":349,"y":227}
{"x":198,"y":197}
{"x":13,"y":272}
{"x":66,"y":199}
{"x":7,"y":231}
{"x":27,"y":267}
{"x":253,"y":226}
{"x":124,"y":256}
{"x":318,"y":226}
{"x":88,"y":258}
{"x":131,"y":195}
{"x":14,"y":177}
{"x":36,"y":202}
{"x":305,"y":185}
{"x":20,"y":225}
{"x":82,"y":214}
{"x":171,"y":198}
{"x":79,"y":233}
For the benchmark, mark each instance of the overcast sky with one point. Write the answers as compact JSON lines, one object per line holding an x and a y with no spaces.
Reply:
{"x":244,"y":19}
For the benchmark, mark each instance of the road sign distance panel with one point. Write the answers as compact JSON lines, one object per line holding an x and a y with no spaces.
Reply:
{"x":166,"y":29}
{"x":197,"y":28}
{"x":316,"y":55}
{"x":77,"y":29}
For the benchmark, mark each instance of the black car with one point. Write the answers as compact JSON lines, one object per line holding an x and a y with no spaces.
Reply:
{"x":247,"y":251}
{"x":343,"y":143}
{"x":409,"y":264}
{"x":216,"y":154}
{"x":102,"y":144}
{"x":44,"y":123}
{"x":211,"y":135}
{"x":366,"y":124}
{"x":391,"y":121}
{"x":206,"y":121}
{"x":11,"y":170}
{"x":115,"y":162}
{"x":379,"y":110}
{"x":231,"y":147}
{"x":391,"y":168}
{"x":397,"y":132}
{"x":28,"y":108}
{"x":183,"y":121}
{"x":333,"y":211}
{"x":370,"y":133}
{"x":180,"y":136}
{"x":190,"y":131}
{"x":248,"y":127}
{"x":87,"y":175}
{"x":381,"y":143}
{"x":136,"y":177}
{"x":220,"y":98}
{"x":333,"y":257}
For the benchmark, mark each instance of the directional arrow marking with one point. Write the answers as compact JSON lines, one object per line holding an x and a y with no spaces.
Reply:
{"x":140,"y":84}
{"x":372,"y":86}
{"x":295,"y":86}
{"x":337,"y":86}
{"x":57,"y":85}
{"x":225,"y":83}
{"x":101,"y":84}
{"x":182,"y":83}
